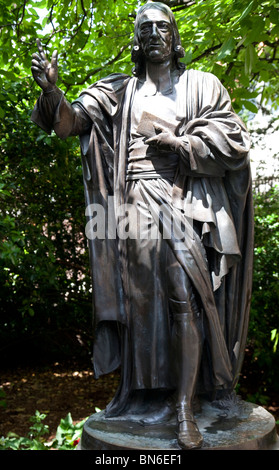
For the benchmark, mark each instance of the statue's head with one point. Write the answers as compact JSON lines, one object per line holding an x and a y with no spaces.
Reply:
{"x":170,"y":35}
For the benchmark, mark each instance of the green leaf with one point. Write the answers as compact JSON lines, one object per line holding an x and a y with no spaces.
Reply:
{"x":67,"y":422}
{"x":250,"y":59}
{"x":275,"y":338}
{"x":31,"y":312}
{"x":274,"y":15}
{"x":8,"y":75}
{"x":256,"y":33}
{"x":250,"y":106}
{"x":188,"y":56}
{"x":226,"y":48}
{"x":245,"y":12}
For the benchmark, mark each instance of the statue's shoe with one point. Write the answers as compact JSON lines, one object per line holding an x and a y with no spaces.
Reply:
{"x":188,"y":435}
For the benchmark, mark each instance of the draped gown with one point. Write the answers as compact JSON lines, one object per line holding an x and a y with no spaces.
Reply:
{"x":204,"y":190}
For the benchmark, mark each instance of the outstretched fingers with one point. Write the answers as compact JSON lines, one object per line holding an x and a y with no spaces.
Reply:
{"x":44,"y":72}
{"x":35,"y":69}
{"x":41,"y":50}
{"x":37,"y":62}
{"x":54,"y":59}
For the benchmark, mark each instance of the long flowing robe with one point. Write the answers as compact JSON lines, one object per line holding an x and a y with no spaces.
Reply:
{"x":212,"y":184}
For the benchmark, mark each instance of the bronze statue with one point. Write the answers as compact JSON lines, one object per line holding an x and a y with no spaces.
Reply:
{"x":172,"y":289}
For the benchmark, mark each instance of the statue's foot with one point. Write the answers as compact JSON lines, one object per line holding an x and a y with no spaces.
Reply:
{"x":188,"y":435}
{"x":163,"y":415}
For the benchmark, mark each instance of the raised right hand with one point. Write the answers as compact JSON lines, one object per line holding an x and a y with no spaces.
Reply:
{"x":45,"y":73}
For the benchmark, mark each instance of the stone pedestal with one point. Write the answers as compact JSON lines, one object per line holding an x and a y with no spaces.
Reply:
{"x":250,"y":427}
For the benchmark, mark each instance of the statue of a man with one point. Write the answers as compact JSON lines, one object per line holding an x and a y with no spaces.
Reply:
{"x":171,"y":298}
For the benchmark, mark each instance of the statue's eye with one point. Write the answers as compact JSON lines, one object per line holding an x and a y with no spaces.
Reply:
{"x":160,"y":25}
{"x":163,"y":26}
{"x":145,"y":28}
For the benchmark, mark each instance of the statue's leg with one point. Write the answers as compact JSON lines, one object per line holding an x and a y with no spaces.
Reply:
{"x":187,"y":344}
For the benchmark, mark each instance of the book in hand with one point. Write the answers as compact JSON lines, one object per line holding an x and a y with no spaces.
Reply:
{"x":148,"y":123}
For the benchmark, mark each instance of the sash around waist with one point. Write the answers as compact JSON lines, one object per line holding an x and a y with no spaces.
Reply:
{"x":156,"y":165}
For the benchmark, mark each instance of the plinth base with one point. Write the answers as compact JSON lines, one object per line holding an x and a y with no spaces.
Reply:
{"x":250,"y":428}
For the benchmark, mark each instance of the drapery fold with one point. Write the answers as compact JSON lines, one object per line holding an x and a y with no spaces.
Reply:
{"x":212,"y":180}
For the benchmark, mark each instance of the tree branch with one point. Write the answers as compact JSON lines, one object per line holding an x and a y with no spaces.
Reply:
{"x":205,"y":53}
{"x":98,"y":69}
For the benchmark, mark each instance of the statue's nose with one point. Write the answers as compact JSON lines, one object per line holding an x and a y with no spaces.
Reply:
{"x":154,"y":32}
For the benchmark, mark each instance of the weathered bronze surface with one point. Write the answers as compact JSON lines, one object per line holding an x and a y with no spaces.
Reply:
{"x":249,"y":427}
{"x":166,"y":170}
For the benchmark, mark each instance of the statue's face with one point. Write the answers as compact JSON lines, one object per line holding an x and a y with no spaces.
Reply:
{"x":155,"y":33}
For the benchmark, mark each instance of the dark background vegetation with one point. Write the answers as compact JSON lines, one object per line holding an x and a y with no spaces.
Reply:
{"x":45,"y":291}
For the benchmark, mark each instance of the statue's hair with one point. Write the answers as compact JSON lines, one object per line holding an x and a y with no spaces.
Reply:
{"x":137,"y":54}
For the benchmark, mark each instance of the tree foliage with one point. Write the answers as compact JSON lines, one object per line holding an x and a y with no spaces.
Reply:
{"x":236,"y":40}
{"x":264,"y":322}
{"x":44,"y":269}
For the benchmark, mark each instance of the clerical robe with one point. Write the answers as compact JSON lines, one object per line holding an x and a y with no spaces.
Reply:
{"x":209,"y":184}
